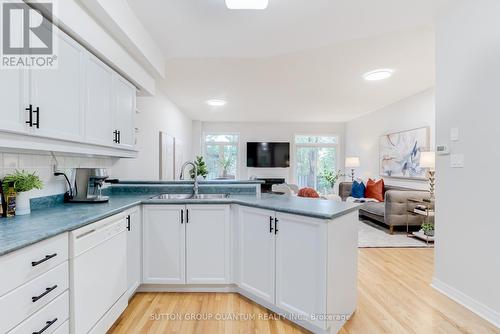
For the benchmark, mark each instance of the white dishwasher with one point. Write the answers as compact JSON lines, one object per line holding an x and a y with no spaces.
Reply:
{"x":98,"y":275}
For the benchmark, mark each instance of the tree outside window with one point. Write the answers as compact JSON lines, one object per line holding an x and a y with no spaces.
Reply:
{"x":314,"y":156}
{"x":221,"y":155}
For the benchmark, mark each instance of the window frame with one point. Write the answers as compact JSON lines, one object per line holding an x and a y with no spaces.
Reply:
{"x":222,"y":144}
{"x":296,"y":146}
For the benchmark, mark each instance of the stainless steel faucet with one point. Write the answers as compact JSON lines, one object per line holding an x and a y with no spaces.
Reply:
{"x":196,"y":186}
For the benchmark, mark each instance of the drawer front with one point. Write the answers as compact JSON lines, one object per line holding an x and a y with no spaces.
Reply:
{"x":53,"y":318}
{"x":25,"y":264}
{"x":22,"y":302}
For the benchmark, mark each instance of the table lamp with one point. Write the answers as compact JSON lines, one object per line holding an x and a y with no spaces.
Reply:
{"x":352,"y":162}
{"x":428,"y":160}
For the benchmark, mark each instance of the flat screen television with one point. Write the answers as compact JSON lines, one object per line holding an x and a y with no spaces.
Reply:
{"x":268,"y":154}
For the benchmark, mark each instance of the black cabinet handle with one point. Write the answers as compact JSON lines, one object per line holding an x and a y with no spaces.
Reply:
{"x":187,"y":216}
{"x":115,"y":133}
{"x":276,"y":225}
{"x":47,"y":257}
{"x":271,"y":224}
{"x":47,"y":325}
{"x":128,"y":223}
{"x":37,"y":123}
{"x":182,"y":216}
{"x":119,"y":137}
{"x":30,"y":115}
{"x":47,"y":290}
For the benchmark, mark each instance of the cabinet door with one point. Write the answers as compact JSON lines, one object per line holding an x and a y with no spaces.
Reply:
{"x":124,"y":110}
{"x":207,"y":244}
{"x":301,"y":248}
{"x":98,"y":106}
{"x":134,"y":250}
{"x":164,"y":236}
{"x":58,"y":93}
{"x":257,"y":253}
{"x":12,"y":89}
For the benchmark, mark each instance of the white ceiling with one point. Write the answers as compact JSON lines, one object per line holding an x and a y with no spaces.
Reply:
{"x":299,"y":60}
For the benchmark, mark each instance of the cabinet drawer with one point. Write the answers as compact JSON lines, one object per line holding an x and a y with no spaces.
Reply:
{"x":25,"y":264}
{"x":54,"y":317}
{"x":22,"y":302}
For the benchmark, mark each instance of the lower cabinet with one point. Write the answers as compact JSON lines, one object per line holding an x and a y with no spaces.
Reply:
{"x":134,"y":249}
{"x":186,"y":244}
{"x":257,"y":252}
{"x":283,"y":260}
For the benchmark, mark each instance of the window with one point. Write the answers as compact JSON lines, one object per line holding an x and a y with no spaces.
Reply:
{"x":221,"y":155}
{"x":314,"y":156}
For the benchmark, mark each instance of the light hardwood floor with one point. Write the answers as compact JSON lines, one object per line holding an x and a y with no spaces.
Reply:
{"x":394,"y":296}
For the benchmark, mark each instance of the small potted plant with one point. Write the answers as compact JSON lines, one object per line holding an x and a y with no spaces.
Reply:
{"x":202,"y":168}
{"x":331,"y":177}
{"x":23,"y":182}
{"x":428,"y":229}
{"x":225,"y":163}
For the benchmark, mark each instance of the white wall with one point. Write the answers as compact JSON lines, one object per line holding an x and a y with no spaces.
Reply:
{"x":277,"y":132}
{"x":467,"y":265}
{"x":156,"y":113}
{"x":363,"y":134}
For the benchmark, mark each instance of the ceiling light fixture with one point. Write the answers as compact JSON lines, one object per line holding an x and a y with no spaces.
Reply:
{"x":247,"y":4}
{"x":379,"y":74}
{"x":216,"y":103}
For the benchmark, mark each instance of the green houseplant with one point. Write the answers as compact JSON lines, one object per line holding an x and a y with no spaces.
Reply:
{"x":428,"y":229}
{"x":23,"y":182}
{"x":202,"y":168}
{"x":331,"y":177}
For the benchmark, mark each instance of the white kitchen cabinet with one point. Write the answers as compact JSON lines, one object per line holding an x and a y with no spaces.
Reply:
{"x":301,"y":263}
{"x":98,"y":102}
{"x":124,"y":110}
{"x":12,"y":97}
{"x":58,"y":94}
{"x":164,"y":236}
{"x":134,"y":250}
{"x":257,"y":252}
{"x":207,"y":244}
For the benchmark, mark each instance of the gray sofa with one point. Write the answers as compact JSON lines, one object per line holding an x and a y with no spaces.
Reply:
{"x":393,"y":211}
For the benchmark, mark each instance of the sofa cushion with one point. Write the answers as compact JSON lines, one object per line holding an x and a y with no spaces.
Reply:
{"x":358,"y":189}
{"x":375,"y":208}
{"x":375,"y":189}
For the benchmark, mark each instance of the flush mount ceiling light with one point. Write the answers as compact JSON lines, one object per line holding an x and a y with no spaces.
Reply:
{"x":216,"y":103}
{"x":247,"y":4}
{"x":379,"y":74}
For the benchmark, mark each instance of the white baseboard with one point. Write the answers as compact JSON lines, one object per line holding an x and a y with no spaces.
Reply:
{"x":473,"y":305}
{"x":186,"y":288}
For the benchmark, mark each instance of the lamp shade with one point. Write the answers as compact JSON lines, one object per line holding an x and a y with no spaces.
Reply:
{"x":352,"y":162}
{"x":427,"y":160}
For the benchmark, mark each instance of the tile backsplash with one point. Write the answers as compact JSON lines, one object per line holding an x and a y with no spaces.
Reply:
{"x":43,"y":165}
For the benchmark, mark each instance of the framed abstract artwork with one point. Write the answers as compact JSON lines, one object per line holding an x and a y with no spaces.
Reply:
{"x":399,"y":153}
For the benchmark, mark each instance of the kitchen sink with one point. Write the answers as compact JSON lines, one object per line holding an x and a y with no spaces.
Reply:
{"x":190,"y":196}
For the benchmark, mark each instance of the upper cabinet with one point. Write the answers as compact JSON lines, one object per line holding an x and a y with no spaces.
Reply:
{"x":57,"y":94}
{"x":82,"y":100}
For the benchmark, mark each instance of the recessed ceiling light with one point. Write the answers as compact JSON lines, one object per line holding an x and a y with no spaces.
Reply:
{"x":247,"y":4}
{"x":216,"y":103}
{"x":379,"y":74}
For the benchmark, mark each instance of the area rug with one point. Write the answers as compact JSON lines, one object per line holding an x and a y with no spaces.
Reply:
{"x":371,"y":235}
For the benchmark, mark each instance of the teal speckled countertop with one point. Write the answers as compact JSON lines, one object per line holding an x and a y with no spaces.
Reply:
{"x":21,"y":231}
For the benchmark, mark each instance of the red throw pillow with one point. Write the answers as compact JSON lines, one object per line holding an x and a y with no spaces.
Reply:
{"x":375,"y":189}
{"x":308,"y":192}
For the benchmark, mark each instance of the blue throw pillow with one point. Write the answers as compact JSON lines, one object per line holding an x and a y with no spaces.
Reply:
{"x":358,"y":189}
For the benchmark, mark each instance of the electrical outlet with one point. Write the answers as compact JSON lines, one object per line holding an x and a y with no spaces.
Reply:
{"x":457,"y":160}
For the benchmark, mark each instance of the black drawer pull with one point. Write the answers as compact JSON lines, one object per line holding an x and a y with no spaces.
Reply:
{"x":271,"y":224}
{"x":47,"y":257}
{"x":47,"y":290}
{"x":47,"y":325}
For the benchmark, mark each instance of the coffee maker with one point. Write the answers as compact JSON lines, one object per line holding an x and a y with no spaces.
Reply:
{"x":88,"y":185}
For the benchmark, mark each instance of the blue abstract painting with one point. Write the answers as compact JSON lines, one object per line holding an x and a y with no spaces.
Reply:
{"x":400,"y":153}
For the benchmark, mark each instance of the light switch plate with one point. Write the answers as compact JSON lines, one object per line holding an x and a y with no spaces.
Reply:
{"x":454,"y":134}
{"x":457,"y":160}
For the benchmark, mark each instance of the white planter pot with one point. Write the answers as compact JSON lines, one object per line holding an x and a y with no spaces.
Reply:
{"x":23,"y":203}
